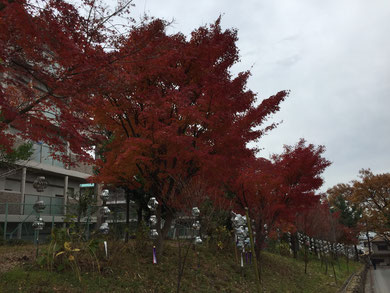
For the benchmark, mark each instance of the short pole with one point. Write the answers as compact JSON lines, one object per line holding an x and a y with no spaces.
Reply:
{"x":5,"y":221}
{"x":37,"y":244}
{"x":253,"y":249}
{"x":89,"y":215}
{"x":235,"y":249}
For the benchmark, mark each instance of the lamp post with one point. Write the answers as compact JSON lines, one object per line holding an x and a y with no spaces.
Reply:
{"x":105,"y":211}
{"x":196,"y":226}
{"x":152,"y":205}
{"x":39,"y":185}
{"x":244,"y":237}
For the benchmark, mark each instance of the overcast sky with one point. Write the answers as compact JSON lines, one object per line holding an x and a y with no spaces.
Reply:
{"x":333,"y":55}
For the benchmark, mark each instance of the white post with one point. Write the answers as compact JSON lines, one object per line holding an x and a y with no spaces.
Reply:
{"x":22,"y":198}
{"x":23,"y":190}
{"x":66,"y":181}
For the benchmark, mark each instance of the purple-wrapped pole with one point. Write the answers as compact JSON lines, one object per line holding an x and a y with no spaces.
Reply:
{"x":154,"y":255}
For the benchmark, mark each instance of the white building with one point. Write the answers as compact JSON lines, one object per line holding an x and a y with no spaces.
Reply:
{"x":17,"y":194}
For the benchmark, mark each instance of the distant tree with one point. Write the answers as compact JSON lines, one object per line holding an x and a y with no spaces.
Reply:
{"x":15,"y":159}
{"x":372,"y":194}
{"x":9,"y":158}
{"x":83,"y":200}
{"x":339,"y":197}
{"x":349,"y":213}
{"x":276,"y":190}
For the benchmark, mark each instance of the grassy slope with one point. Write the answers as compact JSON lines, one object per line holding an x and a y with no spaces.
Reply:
{"x":130,"y":270}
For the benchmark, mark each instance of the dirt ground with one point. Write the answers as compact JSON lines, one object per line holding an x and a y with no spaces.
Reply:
{"x":12,"y":256}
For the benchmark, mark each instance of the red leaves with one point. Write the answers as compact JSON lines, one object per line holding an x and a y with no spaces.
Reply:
{"x":46,"y":72}
{"x":168,"y":108}
{"x":180,"y":96}
{"x":277,"y":190}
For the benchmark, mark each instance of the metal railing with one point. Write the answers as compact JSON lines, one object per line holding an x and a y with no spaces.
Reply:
{"x":16,"y":218}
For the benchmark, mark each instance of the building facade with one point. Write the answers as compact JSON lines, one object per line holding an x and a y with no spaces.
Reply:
{"x":380,"y":254}
{"x":17,"y":194}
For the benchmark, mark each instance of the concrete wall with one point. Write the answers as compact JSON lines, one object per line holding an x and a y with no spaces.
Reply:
{"x":80,"y":167}
{"x":83,"y":168}
{"x":55,"y":184}
{"x":12,"y":183}
{"x":2,"y":183}
{"x":12,"y":198}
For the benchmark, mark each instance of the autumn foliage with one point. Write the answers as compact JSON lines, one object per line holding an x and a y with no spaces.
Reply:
{"x":164,"y":111}
{"x":49,"y":55}
{"x":277,"y":190}
{"x":364,"y":204}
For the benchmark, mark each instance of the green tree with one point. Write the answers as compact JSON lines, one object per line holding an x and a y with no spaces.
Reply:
{"x":339,"y":197}
{"x":8,"y":159}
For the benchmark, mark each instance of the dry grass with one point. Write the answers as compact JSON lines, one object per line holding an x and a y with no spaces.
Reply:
{"x":129,"y":268}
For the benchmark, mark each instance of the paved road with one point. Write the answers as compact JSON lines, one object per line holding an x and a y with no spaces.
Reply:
{"x":379,"y":280}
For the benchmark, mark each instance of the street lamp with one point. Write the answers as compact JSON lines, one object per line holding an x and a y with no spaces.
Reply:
{"x":105,"y":211}
{"x":38,"y":224}
{"x":40,"y":184}
{"x":152,"y":205}
{"x":196,"y":225}
{"x":105,"y":195}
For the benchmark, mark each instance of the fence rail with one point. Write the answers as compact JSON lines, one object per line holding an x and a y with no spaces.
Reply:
{"x":16,"y":220}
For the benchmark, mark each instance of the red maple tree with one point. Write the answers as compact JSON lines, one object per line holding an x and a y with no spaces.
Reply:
{"x":276,"y":190}
{"x":49,"y":56}
{"x":173,"y":112}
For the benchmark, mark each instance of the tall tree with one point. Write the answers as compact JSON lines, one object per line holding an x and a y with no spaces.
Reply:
{"x":173,"y":112}
{"x":49,"y":56}
{"x":276,"y":190}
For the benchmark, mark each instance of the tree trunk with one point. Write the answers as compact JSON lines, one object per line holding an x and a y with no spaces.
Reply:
{"x":306,"y":258}
{"x":162,"y":231}
{"x":369,"y":243}
{"x":139,"y":216}
{"x":356,"y":253}
{"x":294,"y":244}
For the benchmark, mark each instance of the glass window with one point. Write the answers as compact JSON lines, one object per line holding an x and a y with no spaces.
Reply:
{"x":36,"y":156}
{"x":58,"y":164}
{"x":46,"y":159}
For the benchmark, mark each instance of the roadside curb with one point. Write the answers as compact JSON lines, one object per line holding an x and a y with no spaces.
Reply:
{"x":356,"y":282}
